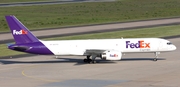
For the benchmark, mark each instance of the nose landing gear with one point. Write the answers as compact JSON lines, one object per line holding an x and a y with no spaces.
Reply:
{"x":156,"y":56}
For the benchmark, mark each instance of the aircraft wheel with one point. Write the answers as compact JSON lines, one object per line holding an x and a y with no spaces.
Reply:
{"x":155,"y":59}
{"x":89,"y":61}
{"x":85,"y":60}
{"x":94,"y":61}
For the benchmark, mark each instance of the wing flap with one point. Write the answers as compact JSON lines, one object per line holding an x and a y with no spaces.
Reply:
{"x":95,"y":51}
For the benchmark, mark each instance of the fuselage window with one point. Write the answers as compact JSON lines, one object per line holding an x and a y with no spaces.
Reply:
{"x":169,"y":43}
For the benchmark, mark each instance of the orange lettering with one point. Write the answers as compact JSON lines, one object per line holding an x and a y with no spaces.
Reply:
{"x":147,"y":45}
{"x":141,"y":44}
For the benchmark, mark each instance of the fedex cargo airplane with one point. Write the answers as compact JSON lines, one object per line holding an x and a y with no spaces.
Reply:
{"x":106,"y":49}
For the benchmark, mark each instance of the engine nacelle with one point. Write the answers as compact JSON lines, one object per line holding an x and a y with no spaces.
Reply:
{"x":112,"y":55}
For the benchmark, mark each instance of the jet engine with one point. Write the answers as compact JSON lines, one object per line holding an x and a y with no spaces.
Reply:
{"x":111,"y":55}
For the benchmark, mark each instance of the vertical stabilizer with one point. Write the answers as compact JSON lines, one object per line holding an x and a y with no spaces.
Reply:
{"x":20,"y":33}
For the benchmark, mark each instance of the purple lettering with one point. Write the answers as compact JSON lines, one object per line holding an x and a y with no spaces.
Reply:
{"x":127,"y":44}
{"x":132,"y":45}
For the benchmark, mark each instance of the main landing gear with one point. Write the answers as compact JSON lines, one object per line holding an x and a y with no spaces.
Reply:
{"x":88,"y":60}
{"x":156,"y":56}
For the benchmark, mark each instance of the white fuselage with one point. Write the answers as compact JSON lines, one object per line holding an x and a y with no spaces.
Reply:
{"x":79,"y":47}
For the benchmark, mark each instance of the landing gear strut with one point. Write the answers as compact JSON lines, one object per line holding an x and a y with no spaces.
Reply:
{"x":93,"y":58}
{"x":88,"y":60}
{"x":156,"y":56}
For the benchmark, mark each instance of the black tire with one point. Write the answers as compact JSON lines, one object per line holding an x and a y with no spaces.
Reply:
{"x":85,"y":60}
{"x":154,"y":59}
{"x":94,"y":62}
{"x":89,"y":61}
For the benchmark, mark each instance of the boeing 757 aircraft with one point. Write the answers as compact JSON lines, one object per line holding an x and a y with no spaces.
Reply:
{"x":106,"y":49}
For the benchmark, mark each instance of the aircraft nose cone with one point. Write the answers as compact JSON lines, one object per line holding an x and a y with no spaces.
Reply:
{"x":174,"y":47}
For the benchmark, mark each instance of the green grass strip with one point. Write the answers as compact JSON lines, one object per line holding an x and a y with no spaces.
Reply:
{"x":138,"y":33}
{"x":59,"y":15}
{"x":150,"y":32}
{"x":12,"y":1}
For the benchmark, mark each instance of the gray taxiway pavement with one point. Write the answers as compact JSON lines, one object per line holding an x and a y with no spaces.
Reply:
{"x":7,"y":37}
{"x":134,"y":70}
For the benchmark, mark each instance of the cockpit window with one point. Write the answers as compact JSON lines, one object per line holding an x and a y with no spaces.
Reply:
{"x":169,"y":43}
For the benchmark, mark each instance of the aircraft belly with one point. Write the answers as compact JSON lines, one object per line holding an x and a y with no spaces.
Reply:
{"x":69,"y":51}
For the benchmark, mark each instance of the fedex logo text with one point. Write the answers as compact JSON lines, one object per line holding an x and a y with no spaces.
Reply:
{"x":113,"y":55}
{"x":15,"y":32}
{"x":139,"y":44}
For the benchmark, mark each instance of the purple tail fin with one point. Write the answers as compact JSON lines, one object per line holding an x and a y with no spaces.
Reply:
{"x":20,"y":33}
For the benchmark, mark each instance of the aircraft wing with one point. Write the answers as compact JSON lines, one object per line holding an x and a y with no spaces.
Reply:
{"x":96,"y":51}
